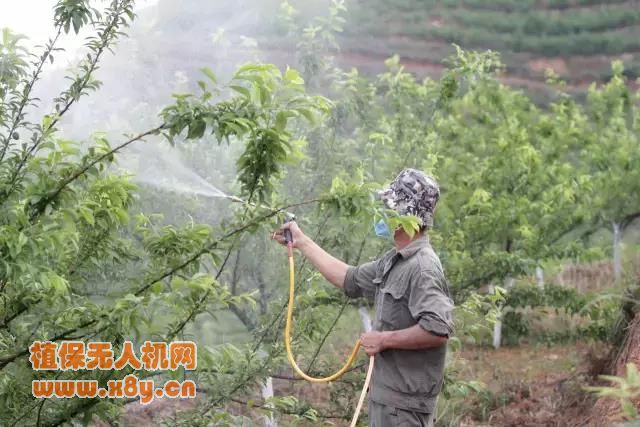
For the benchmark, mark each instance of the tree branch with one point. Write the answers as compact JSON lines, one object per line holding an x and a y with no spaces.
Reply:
{"x":43,"y":204}
{"x":8,"y":359}
{"x":627,"y":220}
{"x":107,"y":36}
{"x":326,"y":335}
{"x":27,"y":91}
{"x":262,"y":405}
{"x":215,"y":244}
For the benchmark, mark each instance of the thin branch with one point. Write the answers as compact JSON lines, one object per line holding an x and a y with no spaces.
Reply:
{"x":106,"y":38}
{"x":27,"y":91}
{"x":67,"y":416}
{"x":8,"y":359}
{"x":355,"y":367}
{"x":235,"y":274}
{"x":335,"y":321}
{"x":215,"y":244}
{"x":24,"y":414}
{"x":17,"y":313}
{"x":627,"y":220}
{"x":262,"y":405}
{"x":243,"y":317}
{"x":82,"y":171}
{"x":196,"y":308}
{"x":40,"y":412}
{"x":357,"y":260}
{"x":326,"y":335}
{"x":62,"y":186}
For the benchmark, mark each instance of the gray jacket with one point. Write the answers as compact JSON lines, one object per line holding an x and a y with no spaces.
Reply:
{"x":409,"y":288}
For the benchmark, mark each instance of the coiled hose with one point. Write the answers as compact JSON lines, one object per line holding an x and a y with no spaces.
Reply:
{"x":287,"y":342}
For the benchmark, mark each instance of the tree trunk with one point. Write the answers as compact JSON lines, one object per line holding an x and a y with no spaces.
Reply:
{"x":540,"y":277}
{"x":607,"y":409}
{"x":497,"y":331}
{"x":617,"y":253}
{"x":267,"y":393}
{"x":497,"y":327}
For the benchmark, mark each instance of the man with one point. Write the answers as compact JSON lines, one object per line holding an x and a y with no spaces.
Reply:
{"x":413,"y":307}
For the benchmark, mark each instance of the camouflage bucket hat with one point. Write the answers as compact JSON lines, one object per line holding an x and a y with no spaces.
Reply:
{"x":412,"y":193}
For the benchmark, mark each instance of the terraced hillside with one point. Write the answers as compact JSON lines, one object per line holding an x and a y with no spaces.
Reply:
{"x":576,"y":38}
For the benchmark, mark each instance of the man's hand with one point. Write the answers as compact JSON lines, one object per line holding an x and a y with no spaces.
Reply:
{"x":373,"y":342}
{"x":330,"y":267}
{"x":299,"y":237}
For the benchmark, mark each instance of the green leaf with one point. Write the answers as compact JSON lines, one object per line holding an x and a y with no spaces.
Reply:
{"x":210,"y":74}
{"x":196,"y":129}
{"x":308,"y":114}
{"x":281,"y":121}
{"x":292,"y":76}
{"x":242,"y":91}
{"x":87,"y":215}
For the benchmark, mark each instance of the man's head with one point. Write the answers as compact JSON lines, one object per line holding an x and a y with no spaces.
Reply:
{"x":413,"y":193}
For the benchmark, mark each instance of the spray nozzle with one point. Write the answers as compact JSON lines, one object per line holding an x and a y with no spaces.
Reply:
{"x":288,"y":238}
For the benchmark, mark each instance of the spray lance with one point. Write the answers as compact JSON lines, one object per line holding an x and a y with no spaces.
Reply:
{"x":288,"y":237}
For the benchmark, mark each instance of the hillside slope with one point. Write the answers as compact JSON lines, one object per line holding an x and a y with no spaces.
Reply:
{"x":577,"y":38}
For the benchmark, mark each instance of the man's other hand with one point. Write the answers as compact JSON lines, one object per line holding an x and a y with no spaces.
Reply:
{"x":373,"y":342}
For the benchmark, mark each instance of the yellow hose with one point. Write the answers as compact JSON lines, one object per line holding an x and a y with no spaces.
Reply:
{"x":292,"y":360}
{"x":287,"y":336}
{"x":363,"y":393}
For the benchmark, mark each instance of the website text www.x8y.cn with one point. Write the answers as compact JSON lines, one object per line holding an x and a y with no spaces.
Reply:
{"x":76,"y":356}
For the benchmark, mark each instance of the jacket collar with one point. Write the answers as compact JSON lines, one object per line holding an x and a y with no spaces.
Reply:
{"x":414,"y":246}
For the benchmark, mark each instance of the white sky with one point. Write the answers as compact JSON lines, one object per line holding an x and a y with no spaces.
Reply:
{"x":34,"y":19}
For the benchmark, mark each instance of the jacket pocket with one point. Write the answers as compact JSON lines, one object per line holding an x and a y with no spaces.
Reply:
{"x":394,"y":312}
{"x":429,"y":385}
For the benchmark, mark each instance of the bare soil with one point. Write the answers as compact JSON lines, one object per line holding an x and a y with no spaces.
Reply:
{"x":541,"y":385}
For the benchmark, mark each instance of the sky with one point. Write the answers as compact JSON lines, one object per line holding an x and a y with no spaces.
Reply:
{"x":29,"y":17}
{"x":34,"y":19}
